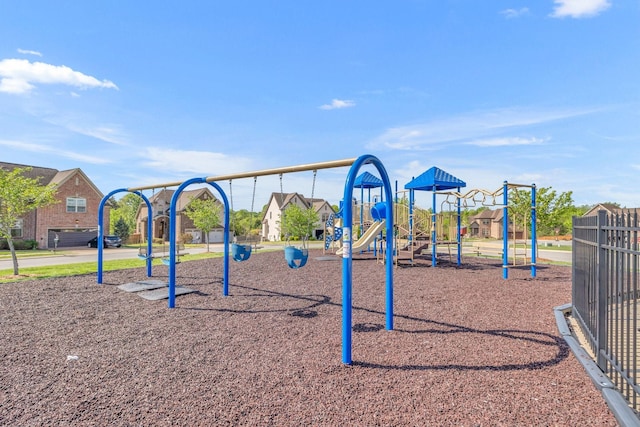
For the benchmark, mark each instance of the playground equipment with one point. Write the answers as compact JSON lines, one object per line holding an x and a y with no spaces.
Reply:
{"x":434,"y":180}
{"x":362,"y":209}
{"x":492,"y":198}
{"x":378,"y":214}
{"x":412,"y":229}
{"x":347,"y":239}
{"x":366,"y":181}
{"x":333,"y":229}
{"x":437,"y":180}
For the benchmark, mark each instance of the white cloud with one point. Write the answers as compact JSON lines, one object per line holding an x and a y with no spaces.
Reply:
{"x":103,"y":133}
{"x":206,"y":163}
{"x":18,"y":76}
{"x":579,"y":8}
{"x":338,"y":103}
{"x":506,"y":141}
{"x":55,"y":151}
{"x":515,"y":13}
{"x":466,"y":127}
{"x":29,"y":52}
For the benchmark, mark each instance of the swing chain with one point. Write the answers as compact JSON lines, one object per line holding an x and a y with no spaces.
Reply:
{"x":233,"y":216}
{"x":253,"y":199}
{"x":313,"y":189}
{"x":283,"y":210}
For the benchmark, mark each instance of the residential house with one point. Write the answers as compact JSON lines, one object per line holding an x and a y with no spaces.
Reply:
{"x":277,"y":204}
{"x":610,"y":208}
{"x":73,"y":221}
{"x":489,"y":224}
{"x":161,"y":202}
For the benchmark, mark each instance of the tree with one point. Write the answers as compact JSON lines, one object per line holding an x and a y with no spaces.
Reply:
{"x":297,"y":222}
{"x":126,"y":209}
{"x":121,"y":229}
{"x":552,"y":209}
{"x":244,"y":222}
{"x":20,"y":195}
{"x":205,"y":215}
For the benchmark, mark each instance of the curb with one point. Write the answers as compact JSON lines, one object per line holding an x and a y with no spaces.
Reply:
{"x":618,"y":405}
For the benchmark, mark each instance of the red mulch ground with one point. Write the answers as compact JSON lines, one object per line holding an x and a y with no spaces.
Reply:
{"x":468,"y":349}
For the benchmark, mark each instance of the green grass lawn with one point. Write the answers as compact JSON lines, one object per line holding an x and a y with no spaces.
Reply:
{"x":4,"y":254}
{"x":29,"y":273}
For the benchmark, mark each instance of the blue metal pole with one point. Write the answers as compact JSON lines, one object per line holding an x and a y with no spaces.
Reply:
{"x":347,"y":260}
{"x":434,"y":252}
{"x":459,"y":230}
{"x":534,"y":235}
{"x":360,"y":230}
{"x":100,"y":243}
{"x":172,"y":238}
{"x":227,"y":225}
{"x":411,"y":202}
{"x":172,"y":246}
{"x":505,"y":231}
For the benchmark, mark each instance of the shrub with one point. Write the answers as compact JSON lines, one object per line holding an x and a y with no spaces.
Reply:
{"x":19,"y":245}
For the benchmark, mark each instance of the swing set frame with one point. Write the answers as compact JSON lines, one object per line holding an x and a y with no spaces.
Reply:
{"x":347,"y":260}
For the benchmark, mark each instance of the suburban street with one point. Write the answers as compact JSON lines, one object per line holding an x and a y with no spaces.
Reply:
{"x":81,"y":254}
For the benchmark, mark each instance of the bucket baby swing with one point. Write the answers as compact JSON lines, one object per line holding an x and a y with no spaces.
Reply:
{"x":242,"y":251}
{"x":297,"y":256}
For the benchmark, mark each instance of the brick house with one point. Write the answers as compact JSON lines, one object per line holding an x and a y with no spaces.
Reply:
{"x":489,"y":224}
{"x":74,"y":219}
{"x":278,"y":202}
{"x":161,"y":202}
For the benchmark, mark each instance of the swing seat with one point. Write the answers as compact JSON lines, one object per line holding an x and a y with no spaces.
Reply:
{"x":142,"y":253}
{"x":240,"y":252}
{"x":167,"y":261}
{"x":296,"y":257}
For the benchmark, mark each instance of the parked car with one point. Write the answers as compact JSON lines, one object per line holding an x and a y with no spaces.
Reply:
{"x":109,"y":242}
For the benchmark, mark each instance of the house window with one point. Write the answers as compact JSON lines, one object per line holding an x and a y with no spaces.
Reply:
{"x":16,"y":231}
{"x":76,"y":204}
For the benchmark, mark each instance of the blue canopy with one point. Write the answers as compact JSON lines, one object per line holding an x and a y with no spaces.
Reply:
{"x":435,"y":179}
{"x":366,"y":180}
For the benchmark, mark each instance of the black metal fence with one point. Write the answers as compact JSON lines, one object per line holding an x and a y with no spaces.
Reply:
{"x":605,"y":294}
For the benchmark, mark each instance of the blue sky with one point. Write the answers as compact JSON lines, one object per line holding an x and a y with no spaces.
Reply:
{"x":137,"y":93}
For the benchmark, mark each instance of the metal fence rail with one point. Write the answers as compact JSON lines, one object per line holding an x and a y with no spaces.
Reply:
{"x":605,"y":294}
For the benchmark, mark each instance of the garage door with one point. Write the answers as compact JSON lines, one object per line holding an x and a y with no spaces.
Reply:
{"x":67,"y":239}
{"x":216,"y":236}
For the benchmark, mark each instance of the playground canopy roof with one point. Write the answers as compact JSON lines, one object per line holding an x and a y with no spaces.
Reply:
{"x":435,"y":179}
{"x":366,"y":180}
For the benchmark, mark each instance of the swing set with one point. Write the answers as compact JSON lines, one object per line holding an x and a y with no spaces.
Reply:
{"x":347,"y":260}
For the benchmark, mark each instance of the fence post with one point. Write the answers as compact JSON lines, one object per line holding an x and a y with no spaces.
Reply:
{"x":602,"y":286}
